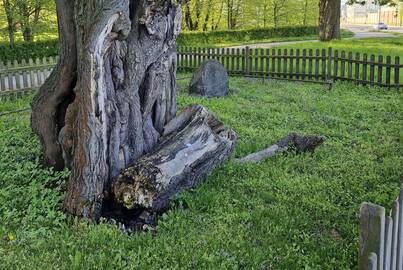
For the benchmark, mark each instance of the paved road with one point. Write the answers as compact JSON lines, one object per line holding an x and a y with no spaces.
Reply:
{"x":361,"y":28}
{"x":360,"y":31}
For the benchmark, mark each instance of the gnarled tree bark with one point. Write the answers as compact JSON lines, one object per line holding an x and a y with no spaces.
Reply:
{"x":49,"y":106}
{"x":108,"y":101}
{"x":193,"y":144}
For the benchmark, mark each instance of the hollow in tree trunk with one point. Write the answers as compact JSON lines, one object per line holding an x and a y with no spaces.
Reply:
{"x":110,"y":98}
{"x":329,"y":19}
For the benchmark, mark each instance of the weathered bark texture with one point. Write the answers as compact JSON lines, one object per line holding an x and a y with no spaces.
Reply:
{"x":329,"y":19}
{"x":109,"y":100}
{"x":293,"y":141}
{"x":49,"y":106}
{"x":193,"y":144}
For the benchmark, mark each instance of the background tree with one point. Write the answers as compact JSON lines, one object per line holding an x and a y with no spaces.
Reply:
{"x":37,"y":17}
{"x":241,"y":14}
{"x":10,"y":12}
{"x":234,"y":13}
{"x":25,"y":16}
{"x":329,"y":19}
{"x":29,"y":12}
{"x":279,"y":9}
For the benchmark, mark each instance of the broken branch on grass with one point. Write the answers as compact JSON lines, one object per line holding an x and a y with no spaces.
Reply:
{"x":292,"y":141}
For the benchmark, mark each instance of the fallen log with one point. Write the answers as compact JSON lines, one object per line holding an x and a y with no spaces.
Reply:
{"x":293,"y":141}
{"x":192,"y":146}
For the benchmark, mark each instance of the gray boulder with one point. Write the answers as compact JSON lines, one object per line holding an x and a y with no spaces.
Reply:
{"x":211,"y":80}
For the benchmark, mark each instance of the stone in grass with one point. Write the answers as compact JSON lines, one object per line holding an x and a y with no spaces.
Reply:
{"x":210,"y":80}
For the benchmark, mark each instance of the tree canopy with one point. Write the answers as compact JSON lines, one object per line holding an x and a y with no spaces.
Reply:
{"x":203,"y":15}
{"x":26,"y":18}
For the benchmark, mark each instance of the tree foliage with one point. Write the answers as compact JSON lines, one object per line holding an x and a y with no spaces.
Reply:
{"x":204,"y":15}
{"x":25,"y":17}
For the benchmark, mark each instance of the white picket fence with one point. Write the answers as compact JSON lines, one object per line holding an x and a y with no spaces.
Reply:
{"x":26,"y":74}
{"x":381,"y":236}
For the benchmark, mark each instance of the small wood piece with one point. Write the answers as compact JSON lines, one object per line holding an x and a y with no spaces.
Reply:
{"x":300,"y":143}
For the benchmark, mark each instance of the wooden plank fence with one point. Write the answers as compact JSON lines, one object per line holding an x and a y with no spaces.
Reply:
{"x":26,"y":74}
{"x":299,"y":65}
{"x":381,"y":237}
{"x":320,"y":66}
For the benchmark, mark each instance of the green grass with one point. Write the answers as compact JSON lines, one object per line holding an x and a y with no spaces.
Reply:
{"x":377,"y":46}
{"x":289,"y":212}
{"x":13,"y":103}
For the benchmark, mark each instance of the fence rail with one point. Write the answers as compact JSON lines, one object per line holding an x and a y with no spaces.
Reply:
{"x":321,"y":66}
{"x":381,"y":237}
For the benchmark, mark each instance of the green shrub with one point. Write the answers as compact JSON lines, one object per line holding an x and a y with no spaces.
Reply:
{"x":216,"y":37}
{"x":47,"y":48}
{"x":24,"y":50}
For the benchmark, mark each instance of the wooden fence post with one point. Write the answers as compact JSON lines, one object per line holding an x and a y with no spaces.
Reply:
{"x":372,"y":262}
{"x":291,"y":64}
{"x":372,"y":237}
{"x":380,"y":69}
{"x":388,"y":69}
{"x":395,"y":233}
{"x":285,"y":57}
{"x":357,"y":68}
{"x":381,"y":235}
{"x":397,"y":71}
{"x":246,"y":60}
{"x":399,"y":263}
{"x":364,"y":68}
{"x":350,"y":66}
{"x":303,"y":63}
{"x":388,"y":243}
{"x":329,"y":64}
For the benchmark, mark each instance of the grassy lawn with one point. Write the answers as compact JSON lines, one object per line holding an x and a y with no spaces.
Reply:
{"x":289,"y":212}
{"x":384,"y":46}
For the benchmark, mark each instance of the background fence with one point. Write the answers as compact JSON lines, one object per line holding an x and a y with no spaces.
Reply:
{"x":300,"y":65}
{"x":381,"y":237}
{"x":323,"y":66}
{"x":20,"y":77}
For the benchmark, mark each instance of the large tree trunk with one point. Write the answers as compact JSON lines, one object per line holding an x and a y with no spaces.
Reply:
{"x":108,"y":101}
{"x":329,"y":19}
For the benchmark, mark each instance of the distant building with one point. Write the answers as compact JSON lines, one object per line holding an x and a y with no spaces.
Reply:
{"x":369,"y":13}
